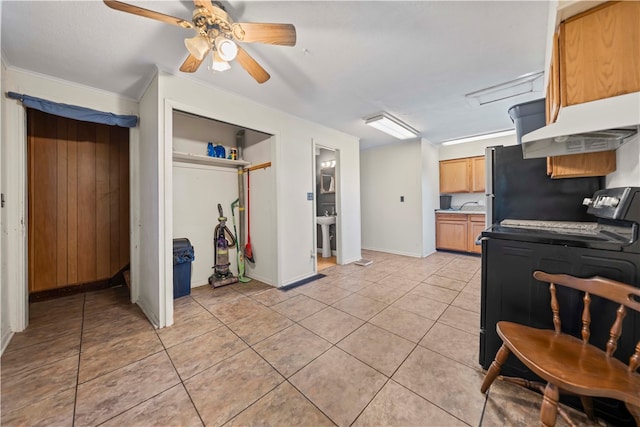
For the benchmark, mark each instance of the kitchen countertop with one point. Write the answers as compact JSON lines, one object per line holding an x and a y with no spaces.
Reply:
{"x":466,"y":210}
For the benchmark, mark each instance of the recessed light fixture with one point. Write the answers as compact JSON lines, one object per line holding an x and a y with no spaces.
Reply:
{"x":480,"y":137}
{"x":391,"y":126}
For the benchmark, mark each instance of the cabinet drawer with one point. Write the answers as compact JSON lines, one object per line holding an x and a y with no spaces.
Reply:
{"x":451,"y":217}
{"x":476,"y":218}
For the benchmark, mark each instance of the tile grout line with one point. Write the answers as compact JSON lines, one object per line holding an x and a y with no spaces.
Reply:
{"x":75,"y":396}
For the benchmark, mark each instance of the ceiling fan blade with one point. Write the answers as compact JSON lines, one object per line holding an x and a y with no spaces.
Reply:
{"x":251,"y":66}
{"x":280,"y":34}
{"x":129,"y":8}
{"x":191,"y":64}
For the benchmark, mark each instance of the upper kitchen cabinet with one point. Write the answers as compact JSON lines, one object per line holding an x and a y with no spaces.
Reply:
{"x":462,"y":175}
{"x":600,"y":53}
{"x":477,"y":174}
{"x":595,"y":55}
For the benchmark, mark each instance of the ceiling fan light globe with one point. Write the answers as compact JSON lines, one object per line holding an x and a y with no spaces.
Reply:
{"x":226,"y":48}
{"x":218,"y":64}
{"x":197,"y":46}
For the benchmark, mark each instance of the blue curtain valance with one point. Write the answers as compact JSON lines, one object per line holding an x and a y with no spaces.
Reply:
{"x":75,"y":112}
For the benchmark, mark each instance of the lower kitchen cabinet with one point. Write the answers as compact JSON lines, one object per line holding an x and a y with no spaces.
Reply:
{"x":458,"y":232}
{"x":476,"y":226}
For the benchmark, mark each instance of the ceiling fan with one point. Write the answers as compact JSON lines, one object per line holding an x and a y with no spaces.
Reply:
{"x":216,"y":32}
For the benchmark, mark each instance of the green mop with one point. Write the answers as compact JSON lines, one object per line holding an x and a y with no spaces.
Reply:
{"x":241,"y":277}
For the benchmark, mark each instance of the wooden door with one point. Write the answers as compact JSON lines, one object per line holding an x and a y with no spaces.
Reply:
{"x":476,"y":226}
{"x":477,"y":174}
{"x":600,"y":53}
{"x":451,"y":232}
{"x":454,"y":176}
{"x":78,"y":192}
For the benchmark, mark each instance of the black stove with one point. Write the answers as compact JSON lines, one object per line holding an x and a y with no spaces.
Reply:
{"x":512,"y":249}
{"x":618,"y":213}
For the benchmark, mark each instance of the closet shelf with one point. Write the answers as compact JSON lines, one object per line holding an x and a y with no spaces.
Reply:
{"x":206,"y":160}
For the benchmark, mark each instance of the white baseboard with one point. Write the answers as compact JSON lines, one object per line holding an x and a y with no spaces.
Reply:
{"x":389,"y":251}
{"x":144,"y":306}
{"x":333,"y":253}
{"x":7,"y":334}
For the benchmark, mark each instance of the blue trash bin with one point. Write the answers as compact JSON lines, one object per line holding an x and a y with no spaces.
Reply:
{"x":183,"y":256}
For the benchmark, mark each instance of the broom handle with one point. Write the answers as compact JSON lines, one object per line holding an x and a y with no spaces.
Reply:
{"x":248,"y":207}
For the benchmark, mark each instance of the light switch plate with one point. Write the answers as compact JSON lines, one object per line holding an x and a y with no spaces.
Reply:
{"x":309,"y":196}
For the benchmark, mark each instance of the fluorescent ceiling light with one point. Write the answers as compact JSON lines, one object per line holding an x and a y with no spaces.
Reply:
{"x":391,"y":126}
{"x":519,"y":86}
{"x":480,"y":137}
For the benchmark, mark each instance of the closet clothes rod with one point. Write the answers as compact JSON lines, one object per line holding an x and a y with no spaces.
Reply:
{"x":252,"y":168}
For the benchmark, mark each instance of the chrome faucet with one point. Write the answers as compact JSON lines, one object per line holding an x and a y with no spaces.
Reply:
{"x":467,"y":203}
{"x":326,"y":213}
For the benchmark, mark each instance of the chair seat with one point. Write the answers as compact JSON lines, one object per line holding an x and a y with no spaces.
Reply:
{"x":573,"y":366}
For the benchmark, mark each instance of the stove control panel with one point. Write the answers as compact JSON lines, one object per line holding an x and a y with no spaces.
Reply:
{"x":614,"y":203}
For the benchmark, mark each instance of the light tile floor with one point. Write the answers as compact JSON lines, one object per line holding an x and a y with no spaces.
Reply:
{"x":391,"y":344}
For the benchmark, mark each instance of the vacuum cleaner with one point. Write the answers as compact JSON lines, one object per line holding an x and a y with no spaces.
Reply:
{"x":223,"y":241}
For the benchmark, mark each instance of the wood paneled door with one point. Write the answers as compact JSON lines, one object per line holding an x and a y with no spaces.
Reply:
{"x":78,"y":198}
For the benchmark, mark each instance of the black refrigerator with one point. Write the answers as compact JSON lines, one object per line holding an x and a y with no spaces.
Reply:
{"x":518,"y":188}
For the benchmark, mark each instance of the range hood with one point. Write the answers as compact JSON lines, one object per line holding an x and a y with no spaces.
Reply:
{"x":593,"y":126}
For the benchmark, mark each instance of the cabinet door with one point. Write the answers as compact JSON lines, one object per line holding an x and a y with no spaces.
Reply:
{"x":599,"y":52}
{"x":454,"y":176}
{"x":553,"y":90}
{"x":452,"y":235}
{"x":582,"y":165}
{"x":475,"y":228}
{"x":477,"y":174}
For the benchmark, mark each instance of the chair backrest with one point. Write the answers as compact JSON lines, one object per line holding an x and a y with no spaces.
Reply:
{"x":625,"y":295}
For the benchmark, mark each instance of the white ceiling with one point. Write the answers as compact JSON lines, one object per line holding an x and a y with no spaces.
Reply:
{"x":415,"y":60}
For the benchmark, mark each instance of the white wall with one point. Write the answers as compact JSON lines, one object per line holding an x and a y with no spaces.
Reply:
{"x":263,"y":214}
{"x":387,"y":173}
{"x":292,"y":167}
{"x":197,"y":190}
{"x":627,"y":165}
{"x":430,"y":195}
{"x":14,"y":180}
{"x":151,"y":225}
{"x":5,"y":329}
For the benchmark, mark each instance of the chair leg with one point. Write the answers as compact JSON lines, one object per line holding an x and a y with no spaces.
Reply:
{"x":549,"y":408}
{"x":635,"y":412}
{"x":587,"y":405}
{"x":494,"y":369}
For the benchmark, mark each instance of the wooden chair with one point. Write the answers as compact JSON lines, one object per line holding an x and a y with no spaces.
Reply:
{"x":567,"y":363}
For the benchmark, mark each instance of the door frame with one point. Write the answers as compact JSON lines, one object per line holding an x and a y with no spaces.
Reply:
{"x":17,"y":261}
{"x":317,"y":146}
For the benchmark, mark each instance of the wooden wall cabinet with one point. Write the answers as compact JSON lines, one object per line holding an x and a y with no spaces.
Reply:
{"x":595,"y":55}
{"x":458,"y":232}
{"x":600,"y":53}
{"x":464,"y":175}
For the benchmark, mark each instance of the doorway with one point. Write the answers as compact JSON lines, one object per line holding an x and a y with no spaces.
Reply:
{"x":327,"y":215}
{"x":78,"y":205}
